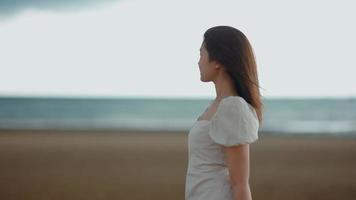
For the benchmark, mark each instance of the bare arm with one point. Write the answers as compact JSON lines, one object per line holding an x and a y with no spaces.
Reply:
{"x":238,"y":162}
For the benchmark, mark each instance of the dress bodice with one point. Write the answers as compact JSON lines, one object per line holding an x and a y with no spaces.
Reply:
{"x":234,"y":122}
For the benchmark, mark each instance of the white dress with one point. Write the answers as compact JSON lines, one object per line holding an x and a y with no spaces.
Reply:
{"x":234,"y":122}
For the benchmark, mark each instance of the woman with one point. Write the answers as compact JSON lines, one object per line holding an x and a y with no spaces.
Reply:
{"x":218,"y":142}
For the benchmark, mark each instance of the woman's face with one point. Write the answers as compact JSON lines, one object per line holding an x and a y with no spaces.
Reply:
{"x":206,"y":68}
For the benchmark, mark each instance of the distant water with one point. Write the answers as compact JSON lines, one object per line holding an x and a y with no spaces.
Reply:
{"x":285,"y":116}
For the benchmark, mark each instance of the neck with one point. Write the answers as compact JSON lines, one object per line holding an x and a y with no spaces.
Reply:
{"x":224,"y":86}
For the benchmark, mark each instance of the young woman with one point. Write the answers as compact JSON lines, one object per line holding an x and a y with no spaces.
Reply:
{"x":218,"y":142}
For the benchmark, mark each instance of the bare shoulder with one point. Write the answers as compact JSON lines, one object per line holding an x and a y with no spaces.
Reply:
{"x":210,"y":110}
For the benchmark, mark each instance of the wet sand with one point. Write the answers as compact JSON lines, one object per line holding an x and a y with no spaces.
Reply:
{"x":68,"y":165}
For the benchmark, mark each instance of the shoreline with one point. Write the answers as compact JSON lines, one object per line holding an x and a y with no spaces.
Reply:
{"x":350,"y":135}
{"x":136,"y":165}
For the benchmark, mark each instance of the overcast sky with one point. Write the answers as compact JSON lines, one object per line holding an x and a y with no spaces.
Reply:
{"x":151,"y":48}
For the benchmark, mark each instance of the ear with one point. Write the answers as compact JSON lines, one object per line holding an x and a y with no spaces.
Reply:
{"x":217,"y":65}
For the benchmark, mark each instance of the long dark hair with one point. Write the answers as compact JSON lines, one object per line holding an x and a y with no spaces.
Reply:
{"x":231,"y":48}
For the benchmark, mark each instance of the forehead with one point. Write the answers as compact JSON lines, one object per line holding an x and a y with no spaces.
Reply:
{"x":202,"y":47}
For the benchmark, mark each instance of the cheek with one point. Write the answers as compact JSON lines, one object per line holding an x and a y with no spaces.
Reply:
{"x":202,"y":61}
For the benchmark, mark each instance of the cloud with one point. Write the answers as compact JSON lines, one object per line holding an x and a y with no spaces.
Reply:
{"x":9,"y":8}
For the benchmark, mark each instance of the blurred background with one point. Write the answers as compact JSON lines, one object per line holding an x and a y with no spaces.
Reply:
{"x":97,"y":97}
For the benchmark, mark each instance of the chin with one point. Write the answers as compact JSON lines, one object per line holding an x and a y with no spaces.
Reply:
{"x":203,"y":80}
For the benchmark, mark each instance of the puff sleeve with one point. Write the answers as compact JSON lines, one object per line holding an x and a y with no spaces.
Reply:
{"x":235,"y":122}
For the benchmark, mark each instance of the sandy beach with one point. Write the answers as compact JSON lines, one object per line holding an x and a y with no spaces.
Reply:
{"x":69,"y":165}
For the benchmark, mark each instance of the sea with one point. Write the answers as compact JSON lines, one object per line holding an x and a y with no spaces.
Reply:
{"x":285,"y":116}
